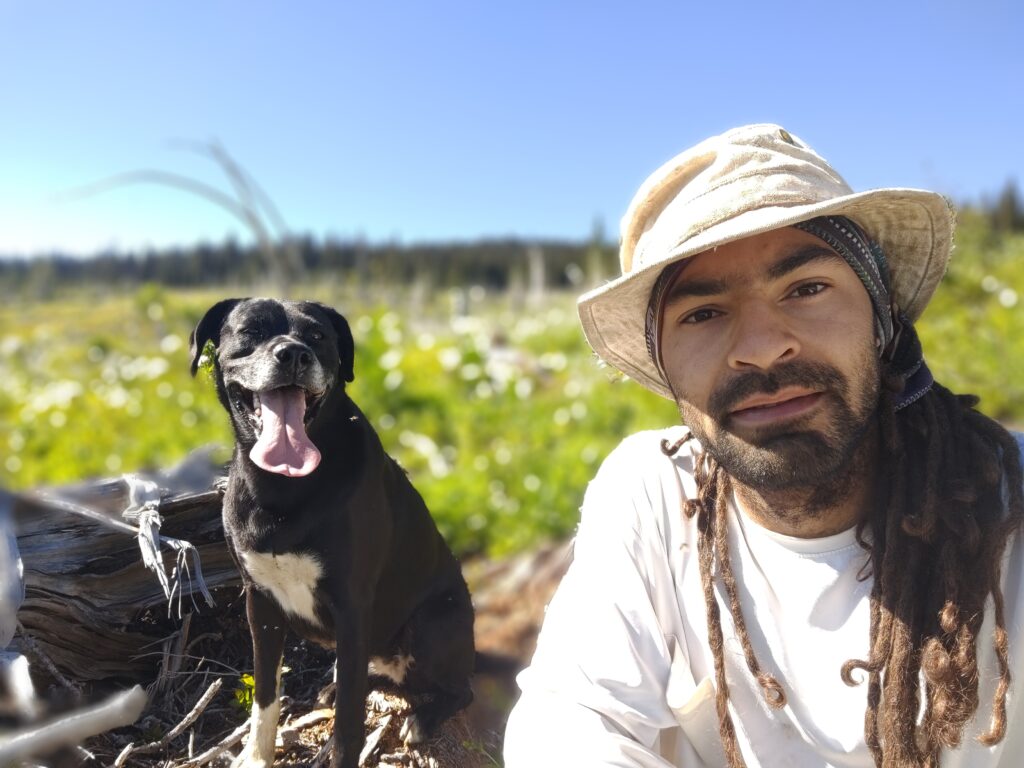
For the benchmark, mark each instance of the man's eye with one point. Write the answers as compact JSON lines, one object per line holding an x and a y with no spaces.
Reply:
{"x":700,"y":316}
{"x":809,"y":289}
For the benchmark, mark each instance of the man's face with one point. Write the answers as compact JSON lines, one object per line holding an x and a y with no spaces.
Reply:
{"x":768,"y":343}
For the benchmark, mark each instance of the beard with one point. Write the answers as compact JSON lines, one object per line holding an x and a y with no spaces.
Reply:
{"x":793,"y":454}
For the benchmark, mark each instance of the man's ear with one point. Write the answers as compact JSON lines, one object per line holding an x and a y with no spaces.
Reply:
{"x":208,"y":329}
{"x":346,"y":346}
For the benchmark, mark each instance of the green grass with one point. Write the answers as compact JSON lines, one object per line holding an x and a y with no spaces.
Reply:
{"x":973,"y":330}
{"x":501,"y":417}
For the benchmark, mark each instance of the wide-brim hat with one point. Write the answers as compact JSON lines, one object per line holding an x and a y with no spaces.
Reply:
{"x":747,"y":181}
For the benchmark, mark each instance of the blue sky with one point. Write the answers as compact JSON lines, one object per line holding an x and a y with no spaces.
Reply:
{"x":444,"y":120}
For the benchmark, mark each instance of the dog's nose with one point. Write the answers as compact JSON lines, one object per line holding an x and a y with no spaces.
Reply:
{"x":293,"y":353}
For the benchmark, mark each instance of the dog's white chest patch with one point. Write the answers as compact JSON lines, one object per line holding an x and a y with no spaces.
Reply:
{"x":291,"y":578}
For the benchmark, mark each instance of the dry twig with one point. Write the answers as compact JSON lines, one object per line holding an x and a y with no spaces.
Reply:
{"x":215,"y":751}
{"x":177,"y":730}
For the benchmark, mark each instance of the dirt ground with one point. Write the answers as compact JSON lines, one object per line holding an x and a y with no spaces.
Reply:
{"x":509,"y":598}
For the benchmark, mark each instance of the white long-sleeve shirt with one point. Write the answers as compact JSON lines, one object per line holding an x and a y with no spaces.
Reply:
{"x":623,"y":675}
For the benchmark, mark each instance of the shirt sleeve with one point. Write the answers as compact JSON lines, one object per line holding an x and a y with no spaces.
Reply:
{"x":594,"y":693}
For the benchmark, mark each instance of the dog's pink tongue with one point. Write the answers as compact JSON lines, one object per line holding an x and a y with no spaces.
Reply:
{"x":283,"y":446}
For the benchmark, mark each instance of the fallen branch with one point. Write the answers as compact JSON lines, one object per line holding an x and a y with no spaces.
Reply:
{"x":373,"y":740}
{"x":117,"y":711}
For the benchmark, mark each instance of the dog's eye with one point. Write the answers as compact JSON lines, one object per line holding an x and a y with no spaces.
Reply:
{"x":316,"y":336}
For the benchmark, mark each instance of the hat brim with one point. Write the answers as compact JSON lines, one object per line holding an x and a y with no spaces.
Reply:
{"x":914,"y":228}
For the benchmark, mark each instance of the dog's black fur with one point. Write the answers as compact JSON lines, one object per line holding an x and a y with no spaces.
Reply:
{"x":386,"y":585}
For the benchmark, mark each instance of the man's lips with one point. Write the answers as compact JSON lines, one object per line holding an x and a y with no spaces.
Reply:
{"x":767,"y":409}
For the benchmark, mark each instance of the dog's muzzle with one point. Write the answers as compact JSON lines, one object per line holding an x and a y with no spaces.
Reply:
{"x":279,"y":418}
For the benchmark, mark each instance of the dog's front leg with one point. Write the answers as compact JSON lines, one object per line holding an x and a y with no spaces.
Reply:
{"x":267,"y":625}
{"x":351,"y":626}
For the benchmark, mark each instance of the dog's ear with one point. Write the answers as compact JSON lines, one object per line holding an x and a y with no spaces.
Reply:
{"x":209,"y":329}
{"x":346,"y":346}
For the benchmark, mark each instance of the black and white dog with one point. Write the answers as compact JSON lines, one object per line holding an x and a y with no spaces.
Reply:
{"x":331,"y":538}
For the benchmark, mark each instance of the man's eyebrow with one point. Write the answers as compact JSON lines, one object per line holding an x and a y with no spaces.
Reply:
{"x":686,"y":288}
{"x":799,"y":258}
{"x":806,"y":254}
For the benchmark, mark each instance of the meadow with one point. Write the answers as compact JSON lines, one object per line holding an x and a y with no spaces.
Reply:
{"x":496,"y":407}
{"x":500,"y":416}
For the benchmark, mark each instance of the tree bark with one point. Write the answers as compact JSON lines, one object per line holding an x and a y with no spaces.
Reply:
{"x":91,"y":606}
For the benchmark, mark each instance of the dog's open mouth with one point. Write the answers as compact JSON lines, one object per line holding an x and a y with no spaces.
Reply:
{"x":279,"y":418}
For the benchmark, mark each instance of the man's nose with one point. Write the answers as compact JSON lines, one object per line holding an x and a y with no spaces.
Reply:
{"x":761,"y":337}
{"x":293,"y":354}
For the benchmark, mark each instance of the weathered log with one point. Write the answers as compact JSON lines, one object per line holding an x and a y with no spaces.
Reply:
{"x":91,"y":606}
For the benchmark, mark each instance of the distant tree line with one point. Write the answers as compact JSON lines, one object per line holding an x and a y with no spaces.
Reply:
{"x":1006,"y":212}
{"x":498,"y":264}
{"x":494,"y":264}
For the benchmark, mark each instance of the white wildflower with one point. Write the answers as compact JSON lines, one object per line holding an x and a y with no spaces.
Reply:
{"x":171,"y":343}
{"x":390,"y":359}
{"x":449,"y":357}
{"x":502,"y":455}
{"x":471,"y":371}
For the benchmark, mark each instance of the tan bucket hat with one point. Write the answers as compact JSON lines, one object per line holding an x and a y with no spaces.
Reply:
{"x":747,"y":181}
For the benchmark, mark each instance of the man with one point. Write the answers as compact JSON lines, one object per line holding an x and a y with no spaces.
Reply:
{"x":823,"y":567}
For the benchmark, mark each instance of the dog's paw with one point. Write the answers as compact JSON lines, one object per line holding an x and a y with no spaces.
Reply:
{"x":248,"y":760}
{"x":252,"y":756}
{"x":412,"y":731}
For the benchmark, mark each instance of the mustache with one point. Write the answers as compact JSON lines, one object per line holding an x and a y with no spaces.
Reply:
{"x":801,"y":373}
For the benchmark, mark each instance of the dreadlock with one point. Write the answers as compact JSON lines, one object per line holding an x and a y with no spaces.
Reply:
{"x":950,"y":496}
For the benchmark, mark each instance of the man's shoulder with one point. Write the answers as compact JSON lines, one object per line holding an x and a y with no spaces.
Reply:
{"x":635,"y":493}
{"x":643,"y":458}
{"x":638,"y":448}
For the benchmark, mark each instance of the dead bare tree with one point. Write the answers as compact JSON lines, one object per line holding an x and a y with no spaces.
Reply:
{"x":248,"y":203}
